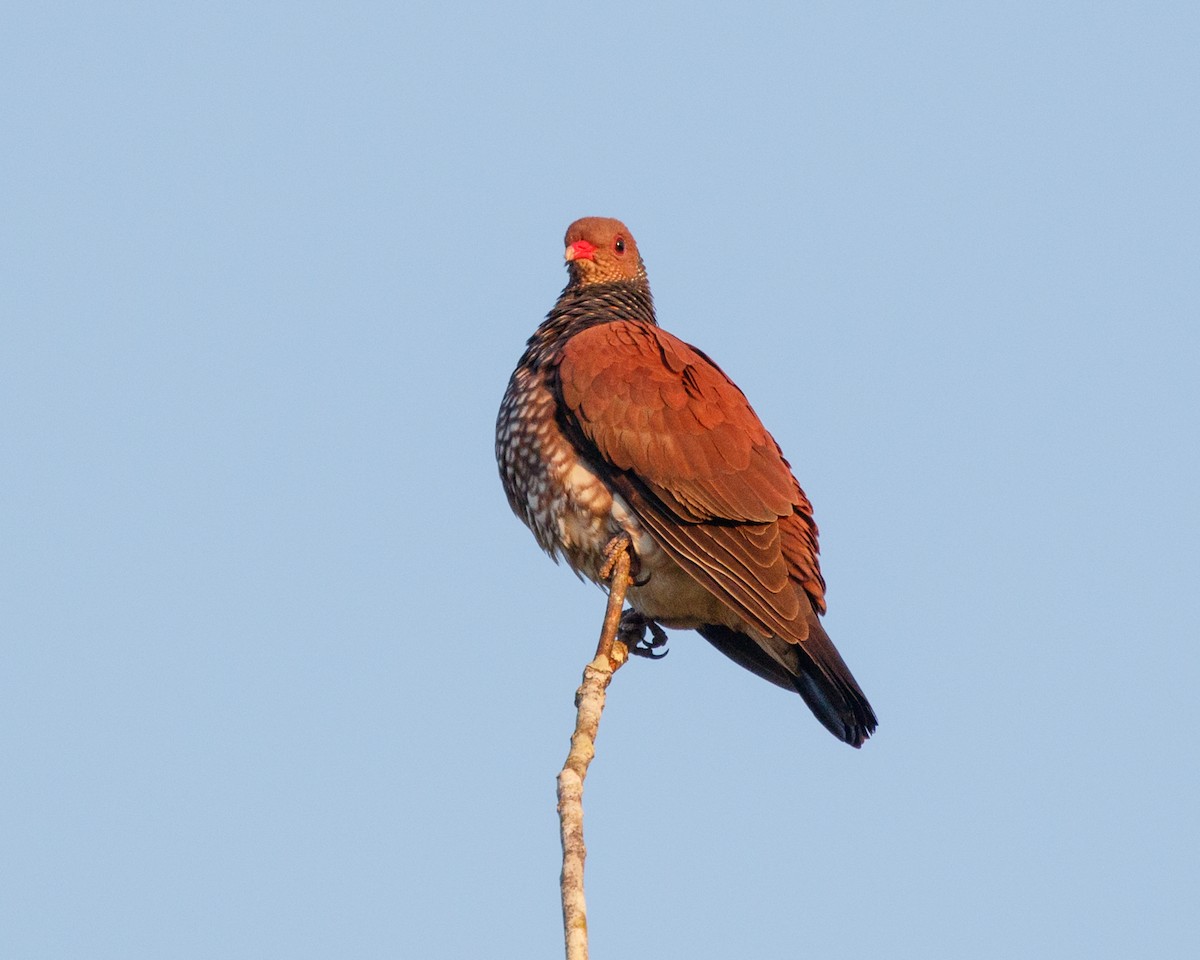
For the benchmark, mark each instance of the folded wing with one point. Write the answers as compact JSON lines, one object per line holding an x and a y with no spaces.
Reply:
{"x":692,"y":458}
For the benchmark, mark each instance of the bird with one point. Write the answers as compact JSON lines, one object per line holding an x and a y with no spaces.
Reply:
{"x":612,"y":427}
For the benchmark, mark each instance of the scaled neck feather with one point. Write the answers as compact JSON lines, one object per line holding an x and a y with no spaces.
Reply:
{"x":583,"y":306}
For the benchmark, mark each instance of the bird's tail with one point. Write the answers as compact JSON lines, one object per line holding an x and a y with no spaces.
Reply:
{"x":813,"y":668}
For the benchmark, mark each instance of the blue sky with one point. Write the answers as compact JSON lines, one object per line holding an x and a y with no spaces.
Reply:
{"x":282,"y":676}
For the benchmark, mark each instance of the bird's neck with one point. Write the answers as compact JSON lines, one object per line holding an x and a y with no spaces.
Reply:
{"x":583,"y":306}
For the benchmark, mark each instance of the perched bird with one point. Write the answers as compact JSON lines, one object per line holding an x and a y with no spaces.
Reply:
{"x":611,"y":425}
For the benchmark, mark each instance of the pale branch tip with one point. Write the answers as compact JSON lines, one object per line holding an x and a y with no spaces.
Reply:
{"x":611,"y":653}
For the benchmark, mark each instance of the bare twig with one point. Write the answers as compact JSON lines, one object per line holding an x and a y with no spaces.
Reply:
{"x":589,"y":701}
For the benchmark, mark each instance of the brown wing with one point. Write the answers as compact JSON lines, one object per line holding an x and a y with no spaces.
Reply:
{"x":695,"y":462}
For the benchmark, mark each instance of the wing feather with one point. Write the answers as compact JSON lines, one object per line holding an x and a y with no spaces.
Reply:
{"x":695,"y":462}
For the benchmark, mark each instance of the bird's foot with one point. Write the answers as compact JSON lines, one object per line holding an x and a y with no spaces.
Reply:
{"x":632,"y":632}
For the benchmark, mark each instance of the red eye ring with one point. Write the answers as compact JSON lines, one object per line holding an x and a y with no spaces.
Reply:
{"x":619,"y":245}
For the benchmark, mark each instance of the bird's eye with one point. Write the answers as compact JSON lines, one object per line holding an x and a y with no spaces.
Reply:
{"x":619,"y":246}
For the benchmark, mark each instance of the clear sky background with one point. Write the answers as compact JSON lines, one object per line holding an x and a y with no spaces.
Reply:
{"x":282,"y":676}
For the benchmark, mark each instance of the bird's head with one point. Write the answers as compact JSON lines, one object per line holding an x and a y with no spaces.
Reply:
{"x":601,"y":250}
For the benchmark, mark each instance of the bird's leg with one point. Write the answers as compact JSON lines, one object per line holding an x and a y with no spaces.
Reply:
{"x":632,"y":633}
{"x":621,"y":542}
{"x":632,"y":628}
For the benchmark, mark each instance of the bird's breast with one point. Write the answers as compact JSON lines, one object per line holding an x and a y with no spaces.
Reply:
{"x":559,"y":495}
{"x":574,"y":513}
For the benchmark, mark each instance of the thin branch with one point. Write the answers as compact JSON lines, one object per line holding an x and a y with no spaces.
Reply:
{"x":589,"y":701}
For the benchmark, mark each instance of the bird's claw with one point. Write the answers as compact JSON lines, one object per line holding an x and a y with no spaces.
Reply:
{"x":632,"y":633}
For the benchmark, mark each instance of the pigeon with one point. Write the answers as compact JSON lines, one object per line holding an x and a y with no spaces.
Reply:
{"x":612,"y":426}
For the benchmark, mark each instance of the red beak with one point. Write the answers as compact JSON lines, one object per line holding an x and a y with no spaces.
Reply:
{"x":580,"y":250}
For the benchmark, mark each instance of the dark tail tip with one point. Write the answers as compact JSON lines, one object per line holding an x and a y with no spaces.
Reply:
{"x":838,"y":704}
{"x":830,"y":690}
{"x":813,"y":668}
